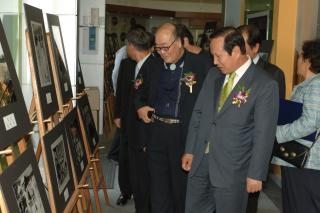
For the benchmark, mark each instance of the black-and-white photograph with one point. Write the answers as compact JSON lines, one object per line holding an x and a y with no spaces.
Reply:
{"x":77,"y":142}
{"x":21,"y":186}
{"x":57,"y":38}
{"x":79,"y":79}
{"x":41,"y":53}
{"x":62,"y":71}
{"x":60,"y":163}
{"x":7,"y":94}
{"x":90,"y":124}
{"x":27,"y":193}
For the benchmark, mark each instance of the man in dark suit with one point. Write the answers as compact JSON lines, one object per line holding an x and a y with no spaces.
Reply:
{"x":231,"y":131}
{"x":139,"y":49}
{"x":169,"y":94}
{"x":252,"y":38}
{"x":124,"y":82}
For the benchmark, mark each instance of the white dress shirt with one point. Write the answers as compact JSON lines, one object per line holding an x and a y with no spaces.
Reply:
{"x":139,"y":65}
{"x":120,"y":55}
{"x":256,"y":59}
{"x":239,"y":73}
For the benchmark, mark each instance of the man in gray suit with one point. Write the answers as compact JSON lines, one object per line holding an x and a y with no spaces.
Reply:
{"x":231,"y":131}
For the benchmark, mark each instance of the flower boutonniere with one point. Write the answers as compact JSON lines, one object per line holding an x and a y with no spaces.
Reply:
{"x":189,"y":80}
{"x":138,"y":82}
{"x":241,"y":96}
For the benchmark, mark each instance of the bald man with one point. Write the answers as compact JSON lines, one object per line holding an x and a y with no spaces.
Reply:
{"x":165,"y":100}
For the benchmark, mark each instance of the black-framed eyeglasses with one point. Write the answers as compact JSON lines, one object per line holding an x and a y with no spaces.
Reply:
{"x":165,"y":49}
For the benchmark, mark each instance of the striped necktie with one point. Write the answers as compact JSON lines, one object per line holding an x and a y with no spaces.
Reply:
{"x":227,"y":88}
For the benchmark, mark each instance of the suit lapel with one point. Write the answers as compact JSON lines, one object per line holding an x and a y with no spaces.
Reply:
{"x":144,"y":66}
{"x":245,"y":81}
{"x":218,"y":84}
{"x":187,"y":67}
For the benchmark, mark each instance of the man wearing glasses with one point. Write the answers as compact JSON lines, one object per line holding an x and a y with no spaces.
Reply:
{"x":166,"y":100}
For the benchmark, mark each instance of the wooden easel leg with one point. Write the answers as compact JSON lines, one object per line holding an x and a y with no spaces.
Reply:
{"x":100,"y":175}
{"x":79,"y":205}
{"x":95,"y":189}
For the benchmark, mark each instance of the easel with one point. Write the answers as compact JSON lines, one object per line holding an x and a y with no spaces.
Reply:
{"x":45,"y":125}
{"x":95,"y":169}
{"x":92,"y":170}
{"x":11,"y":154}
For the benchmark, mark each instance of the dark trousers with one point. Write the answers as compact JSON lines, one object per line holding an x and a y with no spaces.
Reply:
{"x":139,"y":178}
{"x":252,"y":206}
{"x":300,"y":190}
{"x":167,"y":179}
{"x":115,"y":146}
{"x":124,"y":172}
{"x":203,"y":197}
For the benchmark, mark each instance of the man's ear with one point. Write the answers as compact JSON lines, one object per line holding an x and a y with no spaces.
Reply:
{"x":236,"y":51}
{"x":185,"y":41}
{"x":256,"y":48}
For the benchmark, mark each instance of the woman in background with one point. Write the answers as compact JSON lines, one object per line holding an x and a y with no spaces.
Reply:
{"x":301,"y":187}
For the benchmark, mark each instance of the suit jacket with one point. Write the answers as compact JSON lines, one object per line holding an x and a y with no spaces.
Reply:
{"x":147,"y":94}
{"x":124,"y":84}
{"x":276,"y":74}
{"x":241,"y":138}
{"x":137,"y":130}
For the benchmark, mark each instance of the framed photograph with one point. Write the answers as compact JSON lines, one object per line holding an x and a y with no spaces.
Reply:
{"x":41,"y":60}
{"x":60,"y":57}
{"x":261,"y":21}
{"x":76,"y":143}
{"x":22,"y":186}
{"x":14,"y":119}
{"x":86,"y":115}
{"x":80,"y":86}
{"x":59,"y":166}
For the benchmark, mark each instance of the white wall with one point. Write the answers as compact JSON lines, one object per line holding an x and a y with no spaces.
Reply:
{"x":306,"y":21}
{"x":92,"y":64}
{"x":170,"y":5}
{"x":232,"y":13}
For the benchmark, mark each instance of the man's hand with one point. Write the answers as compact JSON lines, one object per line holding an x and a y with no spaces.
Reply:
{"x":117,"y":122}
{"x":187,"y":162}
{"x":253,"y":185}
{"x":143,"y":113}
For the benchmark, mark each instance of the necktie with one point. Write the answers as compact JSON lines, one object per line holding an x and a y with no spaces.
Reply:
{"x":227,"y":88}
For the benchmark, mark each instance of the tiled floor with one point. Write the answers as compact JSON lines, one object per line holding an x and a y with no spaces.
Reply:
{"x":269,"y":201}
{"x":266,"y":205}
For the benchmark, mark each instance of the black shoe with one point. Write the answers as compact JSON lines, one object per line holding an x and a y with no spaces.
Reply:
{"x":122,"y":200}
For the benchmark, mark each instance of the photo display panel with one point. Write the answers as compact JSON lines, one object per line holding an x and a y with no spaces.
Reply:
{"x":14,"y":119}
{"x":60,"y":57}
{"x":41,"y":61}
{"x":22,"y":186}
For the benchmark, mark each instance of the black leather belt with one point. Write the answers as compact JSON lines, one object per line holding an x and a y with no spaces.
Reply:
{"x":166,"y":120}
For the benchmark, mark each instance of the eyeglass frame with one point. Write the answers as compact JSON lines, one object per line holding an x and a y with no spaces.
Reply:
{"x":165,"y":49}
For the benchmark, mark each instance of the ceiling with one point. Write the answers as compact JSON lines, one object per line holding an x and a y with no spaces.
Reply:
{"x":195,"y":1}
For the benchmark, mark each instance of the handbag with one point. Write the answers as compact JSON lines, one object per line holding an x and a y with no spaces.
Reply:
{"x":293,"y":152}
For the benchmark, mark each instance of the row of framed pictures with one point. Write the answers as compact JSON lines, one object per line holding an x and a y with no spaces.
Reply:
{"x":21,"y":182}
{"x":41,"y":61}
{"x":14,"y":119}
